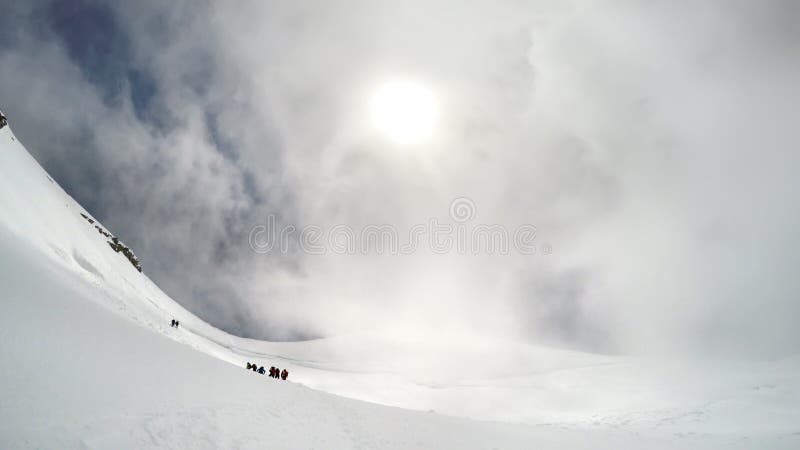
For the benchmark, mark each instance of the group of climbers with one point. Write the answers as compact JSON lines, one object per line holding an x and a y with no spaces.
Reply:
{"x":274,"y":372}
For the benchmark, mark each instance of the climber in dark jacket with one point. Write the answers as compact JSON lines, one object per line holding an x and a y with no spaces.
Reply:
{"x":249,"y":365}
{"x":284,"y":374}
{"x":261,"y":370}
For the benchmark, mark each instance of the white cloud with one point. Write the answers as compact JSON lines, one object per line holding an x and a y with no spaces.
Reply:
{"x":651,"y":145}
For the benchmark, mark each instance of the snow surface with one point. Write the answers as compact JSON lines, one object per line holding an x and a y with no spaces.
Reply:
{"x":89,"y":361}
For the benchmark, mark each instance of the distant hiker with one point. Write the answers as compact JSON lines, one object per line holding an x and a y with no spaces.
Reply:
{"x":248,"y":365}
{"x":272,"y":371}
{"x":261,"y":370}
{"x":173,"y":323}
{"x":177,"y":323}
{"x":254,"y":367}
{"x":3,"y":120}
{"x":284,"y":374}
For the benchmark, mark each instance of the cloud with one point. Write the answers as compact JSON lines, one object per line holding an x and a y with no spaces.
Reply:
{"x":650,"y":144}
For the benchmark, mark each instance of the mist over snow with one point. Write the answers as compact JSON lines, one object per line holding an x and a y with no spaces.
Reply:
{"x":539,"y":224}
{"x":652,"y":145}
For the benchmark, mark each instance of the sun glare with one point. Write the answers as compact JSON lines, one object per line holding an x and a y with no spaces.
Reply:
{"x":404,"y":111}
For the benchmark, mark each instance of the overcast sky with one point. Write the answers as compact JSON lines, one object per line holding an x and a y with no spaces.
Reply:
{"x":652,"y":144}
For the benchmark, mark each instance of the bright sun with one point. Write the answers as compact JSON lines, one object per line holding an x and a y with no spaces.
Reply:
{"x":404,"y":111}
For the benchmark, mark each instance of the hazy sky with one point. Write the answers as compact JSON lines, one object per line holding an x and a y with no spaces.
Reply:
{"x":652,"y":144}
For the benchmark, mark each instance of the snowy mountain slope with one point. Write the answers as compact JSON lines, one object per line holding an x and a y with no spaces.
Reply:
{"x":77,"y":375}
{"x":88,"y":360}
